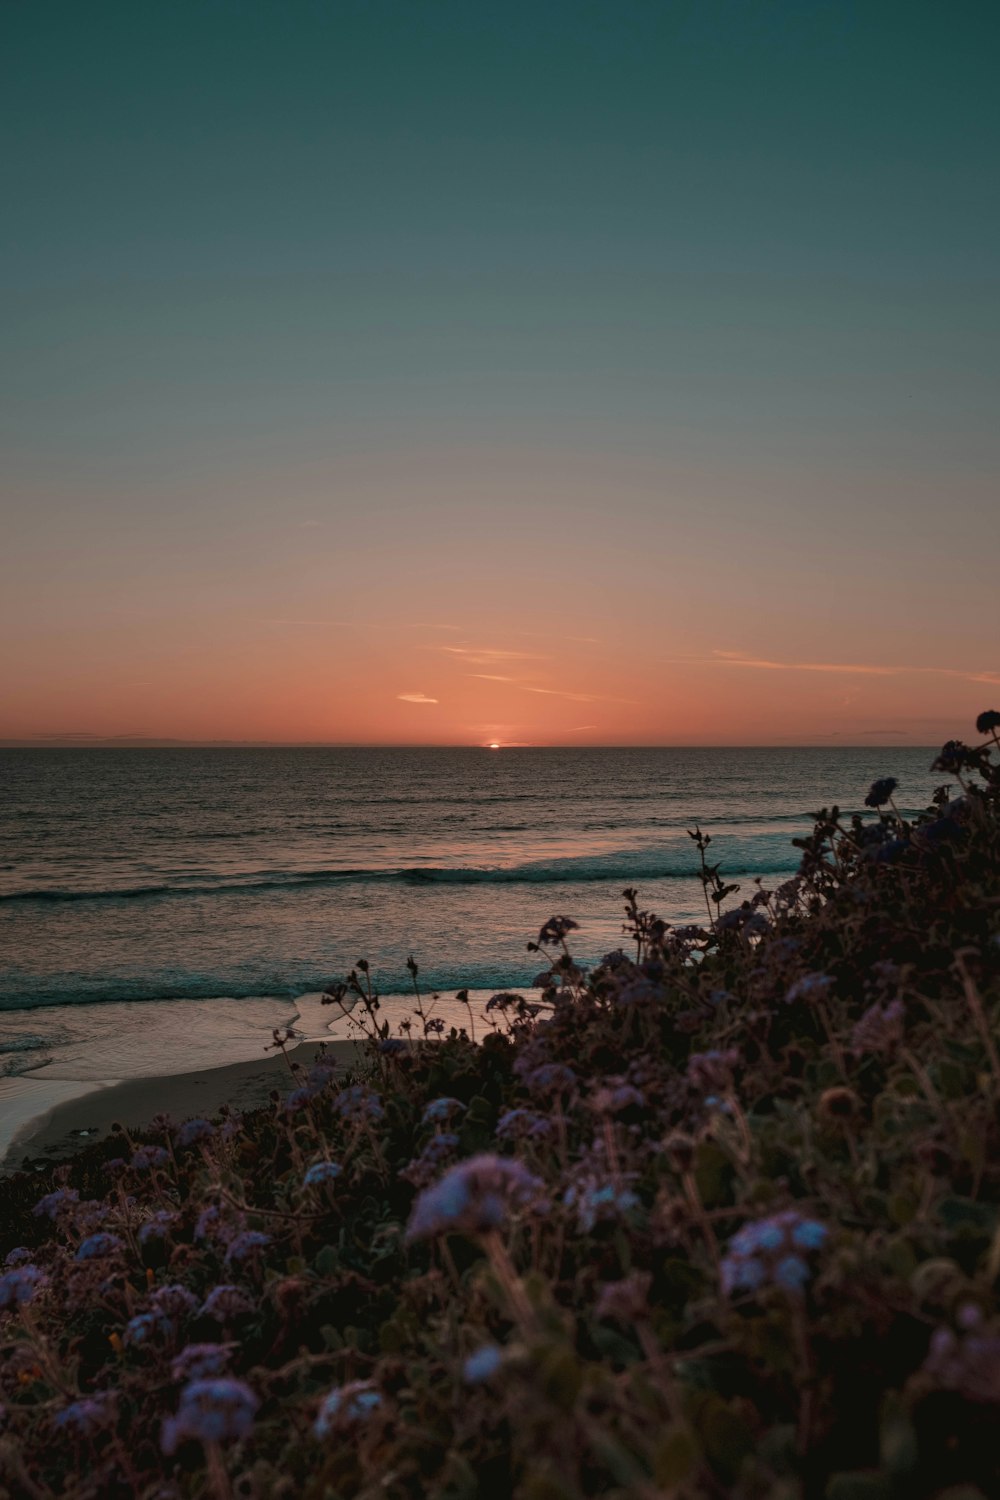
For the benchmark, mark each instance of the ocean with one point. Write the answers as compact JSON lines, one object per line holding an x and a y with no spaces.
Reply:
{"x":163,"y":910}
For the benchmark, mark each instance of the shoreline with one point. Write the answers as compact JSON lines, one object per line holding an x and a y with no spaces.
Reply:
{"x":58,"y":1127}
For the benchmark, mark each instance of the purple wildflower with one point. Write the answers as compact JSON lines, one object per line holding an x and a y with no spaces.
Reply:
{"x":18,"y":1287}
{"x":211,"y":1411}
{"x":595,"y":1201}
{"x":880,"y":1029}
{"x":424,"y":1168}
{"x":53,"y":1204}
{"x":321,"y":1173}
{"x":966,"y":1362}
{"x":359,"y":1104}
{"x":556,"y":929}
{"x":519,"y":1124}
{"x":198,"y":1361}
{"x":772,"y":1250}
{"x":174,"y":1300}
{"x":551,"y":1078}
{"x":145,"y":1325}
{"x":474,"y":1197}
{"x":346,"y":1405}
{"x":157,"y":1227}
{"x":246,"y":1244}
{"x":147,"y":1158}
{"x":19,"y":1256}
{"x":225,"y":1303}
{"x":812,"y":988}
{"x":88,"y":1415}
{"x":440,"y":1110}
{"x":193,"y":1131}
{"x":99,"y":1247}
{"x":482,"y":1365}
{"x":881,"y":791}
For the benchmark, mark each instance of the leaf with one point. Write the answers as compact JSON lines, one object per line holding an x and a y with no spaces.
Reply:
{"x":675,"y":1458}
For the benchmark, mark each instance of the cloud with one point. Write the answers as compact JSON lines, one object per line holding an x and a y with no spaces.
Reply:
{"x":558,"y":693}
{"x":415,"y":698}
{"x":488,"y":656}
{"x":864,"y":669}
{"x":492,"y":677}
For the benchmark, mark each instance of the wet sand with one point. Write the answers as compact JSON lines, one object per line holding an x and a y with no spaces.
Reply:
{"x":59,"y":1130}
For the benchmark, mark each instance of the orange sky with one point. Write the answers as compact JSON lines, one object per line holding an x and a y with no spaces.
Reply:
{"x":450,"y":597}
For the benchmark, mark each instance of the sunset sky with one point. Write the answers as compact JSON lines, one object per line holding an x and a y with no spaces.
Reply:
{"x":442,"y":371}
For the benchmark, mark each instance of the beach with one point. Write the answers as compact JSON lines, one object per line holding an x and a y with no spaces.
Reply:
{"x":60,"y":1118}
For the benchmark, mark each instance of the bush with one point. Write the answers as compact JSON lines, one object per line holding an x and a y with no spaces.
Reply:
{"x":721,"y":1216}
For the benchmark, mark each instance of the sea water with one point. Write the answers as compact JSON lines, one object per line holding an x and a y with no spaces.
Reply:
{"x":162,"y":910}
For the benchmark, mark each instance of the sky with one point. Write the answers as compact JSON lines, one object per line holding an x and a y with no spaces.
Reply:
{"x":534,"y":372}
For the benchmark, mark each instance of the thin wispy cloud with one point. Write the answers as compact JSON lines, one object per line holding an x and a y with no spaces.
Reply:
{"x":527,"y":687}
{"x":415,"y":698}
{"x":486,"y":656}
{"x":863,"y":669}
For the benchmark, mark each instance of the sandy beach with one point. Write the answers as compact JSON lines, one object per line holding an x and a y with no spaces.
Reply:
{"x":55,"y":1127}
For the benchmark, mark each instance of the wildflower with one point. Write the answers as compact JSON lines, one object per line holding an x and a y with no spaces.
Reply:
{"x":346,"y":1405}
{"x":53,"y":1204}
{"x":225,"y":1303}
{"x":19,"y":1256}
{"x":988,"y":721}
{"x":503,"y":1001}
{"x":211,"y":1411}
{"x":157,"y":1226}
{"x":556,"y":929}
{"x":880,"y":791}
{"x":391,"y":1046}
{"x":551,"y":1078}
{"x":515,"y":1124}
{"x":482,"y":1364}
{"x":967,"y":1362}
{"x":174,"y":1300}
{"x":594,"y":1201}
{"x":434,"y":1027}
{"x":299,"y":1098}
{"x":953,"y":758}
{"x":359,"y":1104}
{"x":99,"y":1247}
{"x":615,"y":1097}
{"x":441,"y":1109}
{"x":712,"y":1070}
{"x":810,"y":988}
{"x":246,"y":1244}
{"x":144,"y":1325}
{"x":637,"y":992}
{"x":193,"y":1131}
{"x":321,"y":1173}
{"x":88,"y":1415}
{"x":147,"y":1158}
{"x":425,"y":1167}
{"x":772,"y":1250}
{"x":473,"y":1198}
{"x":197,"y":1361}
{"x":880,"y":1028}
{"x":626,"y":1300}
{"x":18,"y":1287}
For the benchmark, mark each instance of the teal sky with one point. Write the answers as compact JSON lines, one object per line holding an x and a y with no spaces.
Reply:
{"x":674,"y":325}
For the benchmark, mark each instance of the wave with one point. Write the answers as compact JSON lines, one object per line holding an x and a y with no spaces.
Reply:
{"x":25,"y":1044}
{"x":616,"y":867}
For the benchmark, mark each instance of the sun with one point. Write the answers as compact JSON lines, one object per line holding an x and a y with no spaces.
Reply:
{"x":493,"y":745}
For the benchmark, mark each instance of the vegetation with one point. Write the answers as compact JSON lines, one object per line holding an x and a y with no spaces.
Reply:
{"x":719,"y":1217}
